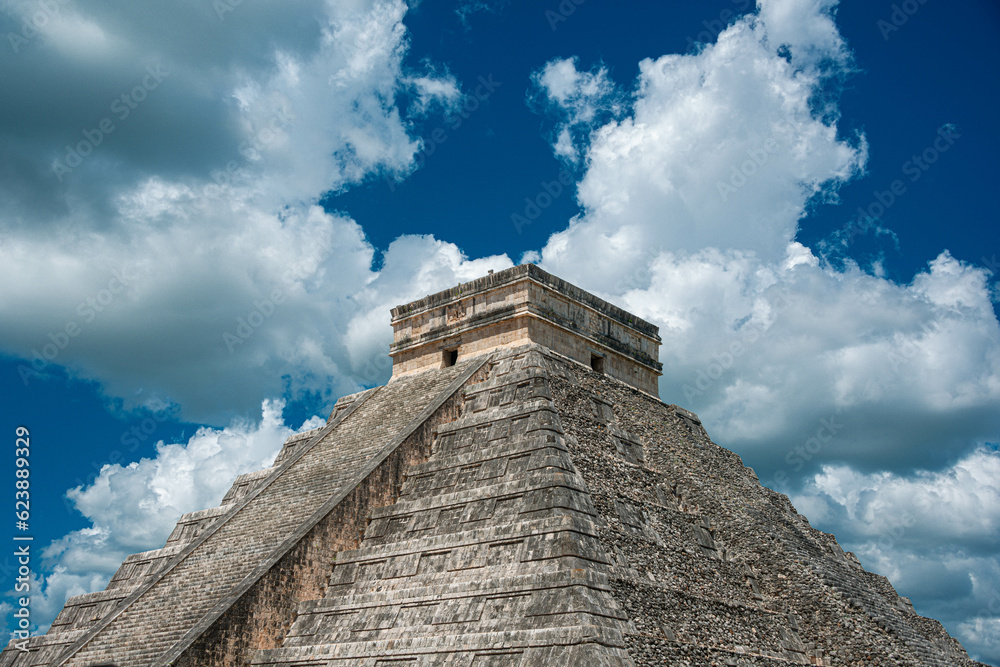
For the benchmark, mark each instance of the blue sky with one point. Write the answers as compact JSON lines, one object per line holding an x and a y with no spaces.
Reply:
{"x":800,"y":194}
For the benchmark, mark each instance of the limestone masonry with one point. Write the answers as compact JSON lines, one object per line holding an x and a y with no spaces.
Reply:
{"x":516,"y":495}
{"x":525,"y":305}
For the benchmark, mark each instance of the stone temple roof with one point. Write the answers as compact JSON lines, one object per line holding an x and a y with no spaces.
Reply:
{"x":525,"y":304}
{"x":507,"y":505}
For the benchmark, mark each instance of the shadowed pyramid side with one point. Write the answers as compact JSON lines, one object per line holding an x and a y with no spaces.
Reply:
{"x":711,"y":566}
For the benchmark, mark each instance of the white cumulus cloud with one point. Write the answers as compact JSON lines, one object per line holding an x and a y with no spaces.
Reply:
{"x":134,"y":507}
{"x":582,"y":99}
{"x":182,"y":271}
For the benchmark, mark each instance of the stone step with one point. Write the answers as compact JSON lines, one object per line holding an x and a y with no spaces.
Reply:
{"x":538,"y":539}
{"x":539,"y":412}
{"x":521,"y":602}
{"x":431,"y":586}
{"x":541,"y":475}
{"x":447,"y":646}
{"x":502,"y":390}
{"x":468,"y":471}
{"x":455,"y":456}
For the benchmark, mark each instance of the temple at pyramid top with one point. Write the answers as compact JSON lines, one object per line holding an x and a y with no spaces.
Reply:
{"x":520,"y":305}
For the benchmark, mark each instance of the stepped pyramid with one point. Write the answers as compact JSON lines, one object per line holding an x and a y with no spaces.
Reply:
{"x":516,"y":495}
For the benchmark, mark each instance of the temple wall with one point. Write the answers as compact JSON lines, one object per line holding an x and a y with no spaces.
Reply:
{"x":520,"y":306}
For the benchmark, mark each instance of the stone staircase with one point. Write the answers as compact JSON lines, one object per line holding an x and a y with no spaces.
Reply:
{"x":160,"y":602}
{"x":490,"y":555}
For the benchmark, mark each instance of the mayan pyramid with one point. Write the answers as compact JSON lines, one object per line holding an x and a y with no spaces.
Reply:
{"x":516,"y":494}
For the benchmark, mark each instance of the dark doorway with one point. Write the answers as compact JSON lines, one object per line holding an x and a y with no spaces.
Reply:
{"x":597,"y":362}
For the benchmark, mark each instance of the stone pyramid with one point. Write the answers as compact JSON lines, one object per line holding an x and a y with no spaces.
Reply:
{"x":516,"y":495}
